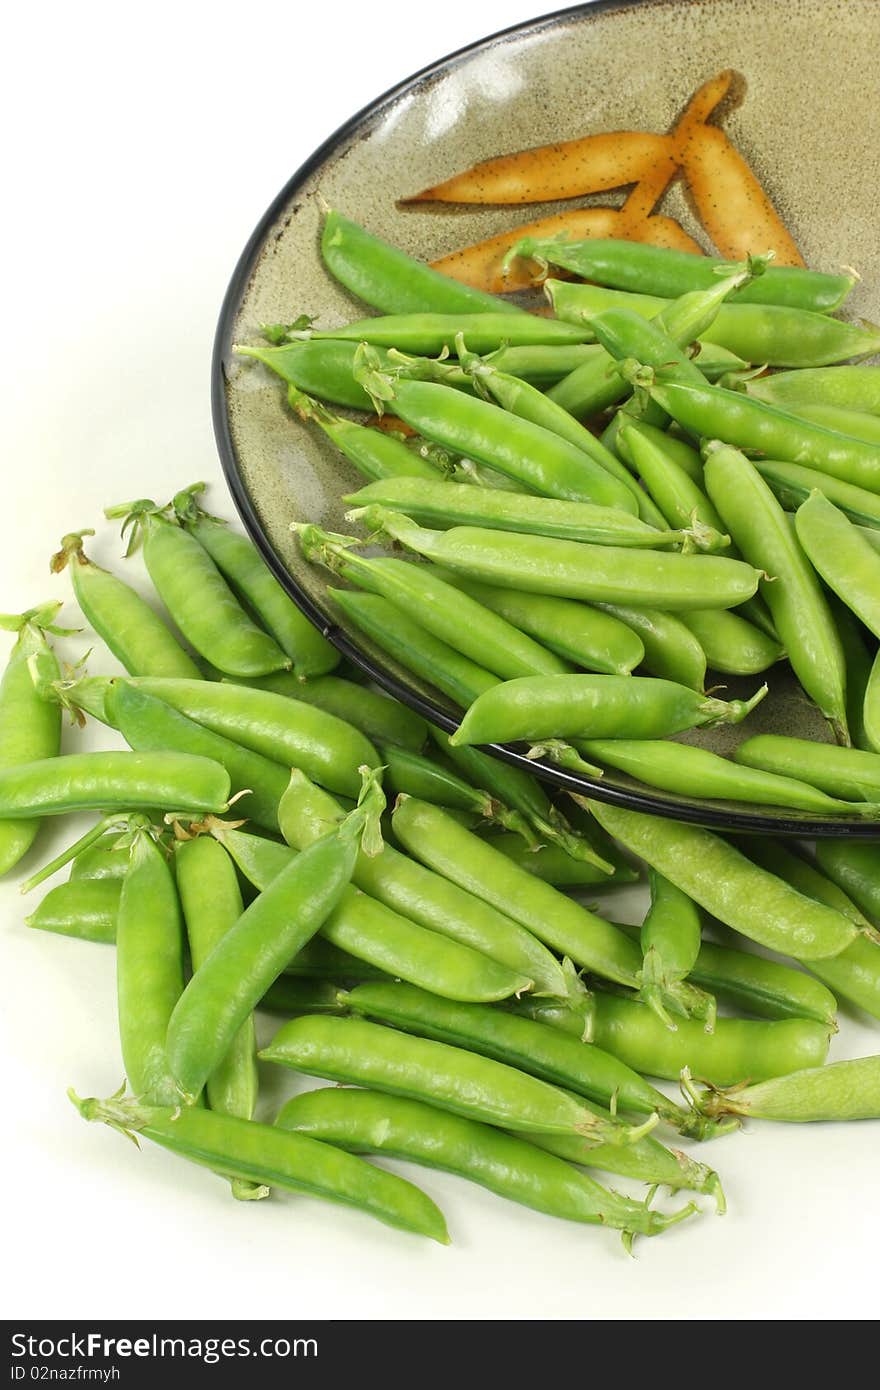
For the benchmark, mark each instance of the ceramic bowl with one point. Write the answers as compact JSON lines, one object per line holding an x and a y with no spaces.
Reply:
{"x":805,"y":123}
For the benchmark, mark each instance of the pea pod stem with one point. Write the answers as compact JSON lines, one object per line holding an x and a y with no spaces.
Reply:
{"x":85,"y":841}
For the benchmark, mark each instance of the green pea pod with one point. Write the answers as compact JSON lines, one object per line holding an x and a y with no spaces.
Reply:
{"x":149,"y":968}
{"x":678,"y":451}
{"x":841,"y":772}
{"x":792,"y":484}
{"x":774,"y":334}
{"x":135,"y":634}
{"x":733,"y":645}
{"x":30,"y":728}
{"x":104,"y":781}
{"x":848,"y":388}
{"x":541,"y":364}
{"x":392,"y":282}
{"x":414,"y":649}
{"x":763,"y":987}
{"x":575,"y":631}
{"x":452,"y":1078}
{"x":427,"y":899}
{"x":587,"y":707}
{"x":505,"y":1164}
{"x":414,"y":775}
{"x":697,"y":772}
{"x":197,"y":596}
{"x":290,"y":996}
{"x":570,"y":569}
{"x":380,"y":718}
{"x":374,"y":453}
{"x":641,"y":268}
{"x":841,"y":555}
{"x":269,"y":1157}
{"x":854,"y":974}
{"x":565,"y":926}
{"x":547,"y":1053}
{"x":105,"y":859}
{"x":440,"y":503}
{"x":859,"y":424}
{"x":681,"y":502}
{"x":670,"y":941}
{"x":429,"y":334}
{"x":844,"y":1091}
{"x":148,"y":723}
{"x":319,"y":368}
{"x":445,"y":612}
{"x":212,"y":905}
{"x":255,"y":949}
{"x":793,"y":594}
{"x":484,"y":432}
{"x":271,"y":727}
{"x":711,"y":412}
{"x":84,"y":908}
{"x":731,"y":888}
{"x":859,"y":665}
{"x":239,"y":562}
{"x":672,"y":652}
{"x":871,"y":708}
{"x":738,"y":1050}
{"x":646,"y":1160}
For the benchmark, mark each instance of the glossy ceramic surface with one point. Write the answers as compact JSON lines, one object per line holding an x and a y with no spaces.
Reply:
{"x":806,"y":123}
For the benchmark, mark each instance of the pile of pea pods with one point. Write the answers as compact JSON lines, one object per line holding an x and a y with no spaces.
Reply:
{"x":280,"y":839}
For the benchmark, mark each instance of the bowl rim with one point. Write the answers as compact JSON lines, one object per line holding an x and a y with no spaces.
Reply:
{"x":711,"y":815}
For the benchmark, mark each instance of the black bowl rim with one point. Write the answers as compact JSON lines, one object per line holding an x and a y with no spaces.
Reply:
{"x":704,"y":814}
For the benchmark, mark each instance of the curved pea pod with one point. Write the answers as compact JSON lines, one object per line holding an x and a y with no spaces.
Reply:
{"x":681,"y":502}
{"x":414,"y":775}
{"x":850,"y":388}
{"x":844,"y":1091}
{"x":639,"y":267}
{"x":102,"y":781}
{"x":482,"y":431}
{"x":670,"y":941}
{"x":731,"y":888}
{"x":411,"y":890}
{"x":84,"y":908}
{"x":626,"y":427}
{"x":30,"y":727}
{"x":571,"y":930}
{"x":841,"y":772}
{"x":792,"y":484}
{"x":132,"y":630}
{"x":414,"y":648}
{"x":712,"y":412}
{"x":553,"y":865}
{"x":587,"y":707}
{"x":842,"y":556}
{"x":738,"y":1050}
{"x":647,"y":1160}
{"x":262,"y":1154}
{"x":274,"y":727}
{"x":197,"y":596}
{"x":854,"y":974}
{"x":697,"y":772}
{"x":368,"y":1054}
{"x":322,"y":368}
{"x":380,"y":718}
{"x":374,"y":453}
{"x":793,"y":593}
{"x":733,"y":645}
{"x":148,"y":723}
{"x":392,"y":282}
{"x":362,"y":1121}
{"x":239,"y":562}
{"x":447,"y":613}
{"x":571,"y":569}
{"x":363,"y":937}
{"x":428,"y":334}
{"x":672,"y":652}
{"x":149,"y":968}
{"x":561,"y":1058}
{"x":254,"y":950}
{"x":441,"y":503}
{"x":577,"y":632}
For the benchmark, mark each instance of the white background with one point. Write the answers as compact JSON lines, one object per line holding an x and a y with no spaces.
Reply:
{"x":141,"y":144}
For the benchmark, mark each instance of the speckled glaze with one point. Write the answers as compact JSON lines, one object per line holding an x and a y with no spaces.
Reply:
{"x":807,"y":123}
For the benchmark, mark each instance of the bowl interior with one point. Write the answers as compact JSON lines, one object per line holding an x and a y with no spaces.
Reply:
{"x":804,"y":125}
